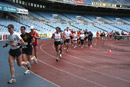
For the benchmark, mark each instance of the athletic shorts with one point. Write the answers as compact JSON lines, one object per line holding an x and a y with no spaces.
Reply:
{"x":85,"y":38}
{"x":15,"y":52}
{"x":71,"y":37}
{"x":57,"y":43}
{"x":74,"y":40}
{"x":78,"y":39}
{"x":82,"y":42}
{"x":62,"y":43}
{"x":35,"y":45}
{"x":67,"y":40}
{"x":27,"y":51}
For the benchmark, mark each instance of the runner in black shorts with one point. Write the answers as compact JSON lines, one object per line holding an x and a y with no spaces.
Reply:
{"x":67,"y":35}
{"x":82,"y":36}
{"x":15,"y":41}
{"x":86,"y":37}
{"x":57,"y":42}
{"x":27,"y":47}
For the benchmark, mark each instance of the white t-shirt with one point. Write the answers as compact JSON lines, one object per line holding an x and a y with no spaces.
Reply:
{"x":75,"y":36}
{"x":82,"y":36}
{"x":57,"y":37}
{"x":67,"y":34}
{"x":14,"y":38}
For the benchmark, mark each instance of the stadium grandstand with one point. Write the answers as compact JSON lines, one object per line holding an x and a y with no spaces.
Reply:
{"x":46,"y":15}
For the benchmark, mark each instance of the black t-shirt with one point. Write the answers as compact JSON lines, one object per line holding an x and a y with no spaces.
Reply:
{"x":86,"y":33}
{"x":27,"y":39}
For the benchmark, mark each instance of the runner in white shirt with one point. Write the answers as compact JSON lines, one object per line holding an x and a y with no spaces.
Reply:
{"x":57,"y":42}
{"x":15,"y":41}
{"x":75,"y":39}
{"x":82,"y":36}
{"x":67,"y":35}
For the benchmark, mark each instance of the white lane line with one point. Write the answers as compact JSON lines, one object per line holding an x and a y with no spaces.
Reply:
{"x":45,"y":79}
{"x":87,"y":68}
{"x":71,"y":74}
{"x":66,"y":71}
{"x":75,"y":57}
{"x":89,"y":56}
{"x":42,"y":77}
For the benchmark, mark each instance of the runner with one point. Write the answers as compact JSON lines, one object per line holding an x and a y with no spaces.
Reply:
{"x":90,"y":37}
{"x":35,"y":44}
{"x":62,"y":42}
{"x":78,"y":39}
{"x":27,"y":47}
{"x":111,"y":35}
{"x":67,"y":35}
{"x":86,"y":37}
{"x":15,"y":41}
{"x":97,"y":35}
{"x":71,"y":37}
{"x":100,"y":35}
{"x":75,"y":39}
{"x":82,"y":37}
{"x":57,"y":42}
{"x":103,"y":35}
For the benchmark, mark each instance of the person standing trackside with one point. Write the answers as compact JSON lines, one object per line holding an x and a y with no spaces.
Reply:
{"x":35,"y":36}
{"x":15,"y":41}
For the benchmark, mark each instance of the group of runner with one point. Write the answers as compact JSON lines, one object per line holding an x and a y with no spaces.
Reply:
{"x":103,"y":35}
{"x":21,"y":47}
{"x":70,"y":37}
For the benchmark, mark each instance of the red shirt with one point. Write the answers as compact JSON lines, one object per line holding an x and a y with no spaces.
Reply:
{"x":34,"y":34}
{"x":97,"y":34}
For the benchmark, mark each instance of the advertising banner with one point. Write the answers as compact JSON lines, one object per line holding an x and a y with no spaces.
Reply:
{"x":8,"y":9}
{"x":79,"y":2}
{"x":87,"y":3}
{"x":0,"y":7}
{"x":22,"y":11}
{"x":103,"y":4}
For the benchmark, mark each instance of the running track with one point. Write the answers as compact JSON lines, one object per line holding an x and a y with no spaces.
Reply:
{"x":85,"y":67}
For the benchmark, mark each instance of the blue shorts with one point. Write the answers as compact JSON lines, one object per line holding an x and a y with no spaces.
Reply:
{"x":34,"y":45}
{"x":62,"y":43}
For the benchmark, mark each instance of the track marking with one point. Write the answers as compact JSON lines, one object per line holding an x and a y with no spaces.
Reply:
{"x":71,"y":74}
{"x":75,"y":57}
{"x":42,"y":77}
{"x":45,"y":79}
{"x":66,"y":71}
{"x":85,"y":67}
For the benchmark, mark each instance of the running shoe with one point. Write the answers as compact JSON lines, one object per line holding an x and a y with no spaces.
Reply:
{"x":26,"y":72}
{"x":13,"y":80}
{"x":28,"y":65}
{"x":35,"y":60}
{"x":60,"y":54}
{"x":75,"y":46}
{"x":57,"y":59}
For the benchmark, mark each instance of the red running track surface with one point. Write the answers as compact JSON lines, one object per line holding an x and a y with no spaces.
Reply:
{"x":86,"y":67}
